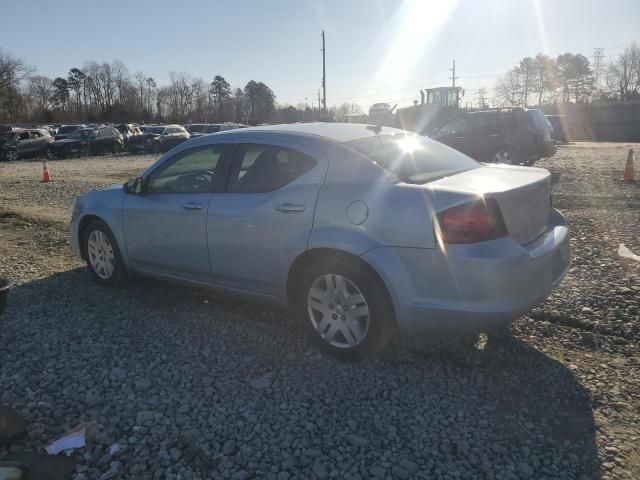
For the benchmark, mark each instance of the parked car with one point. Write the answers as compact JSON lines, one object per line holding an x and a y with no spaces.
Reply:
{"x":379,"y":113}
{"x":26,"y":143}
{"x":199,"y":129}
{"x":128,"y":130}
{"x":503,"y":135}
{"x":157,"y":139}
{"x":87,"y":141}
{"x":362,"y":231}
{"x":65,"y":131}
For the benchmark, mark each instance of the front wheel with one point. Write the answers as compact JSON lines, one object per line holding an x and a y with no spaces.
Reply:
{"x":117,"y":148}
{"x":51,"y":154}
{"x":11,"y":155}
{"x":102,"y":254}
{"x":155,"y":148}
{"x":346,"y":308}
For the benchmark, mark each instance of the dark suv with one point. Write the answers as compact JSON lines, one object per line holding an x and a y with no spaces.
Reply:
{"x":504,"y":135}
{"x":65,"y":131}
{"x":87,"y":141}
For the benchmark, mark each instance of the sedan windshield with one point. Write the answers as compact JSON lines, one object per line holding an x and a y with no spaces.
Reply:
{"x":412,"y":158}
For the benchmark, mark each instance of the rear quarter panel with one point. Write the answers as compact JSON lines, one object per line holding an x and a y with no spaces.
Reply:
{"x":396,"y":214}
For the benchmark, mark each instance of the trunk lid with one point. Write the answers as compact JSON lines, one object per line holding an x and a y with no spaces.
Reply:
{"x":523,"y":195}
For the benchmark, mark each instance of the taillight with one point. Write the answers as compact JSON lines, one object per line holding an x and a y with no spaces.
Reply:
{"x":472,"y":222}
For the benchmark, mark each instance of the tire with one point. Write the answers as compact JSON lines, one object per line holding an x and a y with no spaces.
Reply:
{"x":155,"y":148}
{"x":504,"y":155}
{"x":11,"y":155}
{"x":345,"y":334}
{"x":117,"y":148}
{"x":50,"y":153}
{"x":102,"y":254}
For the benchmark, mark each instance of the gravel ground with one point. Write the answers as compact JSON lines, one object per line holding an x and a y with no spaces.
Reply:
{"x":184,"y":384}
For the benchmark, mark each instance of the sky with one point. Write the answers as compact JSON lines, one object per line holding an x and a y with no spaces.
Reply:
{"x":376,"y":50}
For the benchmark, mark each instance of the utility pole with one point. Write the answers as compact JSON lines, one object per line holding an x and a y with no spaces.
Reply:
{"x":319,"y":113}
{"x":453,"y":75}
{"x":324,"y":79}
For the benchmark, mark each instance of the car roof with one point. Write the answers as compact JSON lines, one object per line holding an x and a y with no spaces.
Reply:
{"x":337,"y":132}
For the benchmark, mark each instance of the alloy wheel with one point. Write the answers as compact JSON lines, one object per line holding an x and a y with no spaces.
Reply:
{"x":338,"y":311}
{"x":502,"y":156}
{"x":101,"y":254}
{"x":12,"y":155}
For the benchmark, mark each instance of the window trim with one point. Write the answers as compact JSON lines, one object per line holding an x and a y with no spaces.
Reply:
{"x":235,"y":163}
{"x":219,"y":181}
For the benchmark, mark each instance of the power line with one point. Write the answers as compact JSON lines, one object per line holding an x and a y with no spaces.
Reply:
{"x":378,"y":94}
{"x":412,"y":79}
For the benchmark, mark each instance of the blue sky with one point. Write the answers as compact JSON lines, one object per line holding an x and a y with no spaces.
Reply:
{"x":377,"y":50}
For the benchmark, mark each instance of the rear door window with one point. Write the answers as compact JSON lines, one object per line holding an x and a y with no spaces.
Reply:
{"x":413,"y":158}
{"x":265,"y":168}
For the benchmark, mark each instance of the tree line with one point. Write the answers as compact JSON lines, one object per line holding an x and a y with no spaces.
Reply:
{"x":570,"y":78}
{"x":108,"y":92}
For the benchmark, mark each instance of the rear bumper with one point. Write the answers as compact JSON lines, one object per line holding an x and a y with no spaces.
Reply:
{"x":472,"y":287}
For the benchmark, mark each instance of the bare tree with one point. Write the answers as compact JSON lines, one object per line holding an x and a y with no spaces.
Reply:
{"x":623,"y":78}
{"x":509,"y":88}
{"x":120,"y":78}
{"x":545,"y":77}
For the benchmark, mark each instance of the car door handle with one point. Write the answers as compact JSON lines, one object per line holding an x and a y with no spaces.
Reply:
{"x":289,"y":208}
{"x":191,"y":206}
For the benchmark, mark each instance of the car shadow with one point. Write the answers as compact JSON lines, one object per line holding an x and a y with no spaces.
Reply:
{"x":500,"y":409}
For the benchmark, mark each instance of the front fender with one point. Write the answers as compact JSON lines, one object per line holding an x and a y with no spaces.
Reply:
{"x":106,"y":206}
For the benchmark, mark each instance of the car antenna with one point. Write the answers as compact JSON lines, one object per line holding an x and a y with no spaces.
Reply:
{"x":378,"y":128}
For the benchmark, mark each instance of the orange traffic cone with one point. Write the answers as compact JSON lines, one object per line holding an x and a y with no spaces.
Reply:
{"x":46,"y":176}
{"x":628,"y":170}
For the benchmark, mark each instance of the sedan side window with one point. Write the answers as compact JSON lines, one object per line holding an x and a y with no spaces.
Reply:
{"x":264,"y":168}
{"x":194,"y":171}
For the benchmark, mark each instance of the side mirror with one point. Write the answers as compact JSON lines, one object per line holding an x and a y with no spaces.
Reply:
{"x":134,"y":187}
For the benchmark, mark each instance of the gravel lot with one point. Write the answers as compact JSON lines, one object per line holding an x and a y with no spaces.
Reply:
{"x":190,"y":385}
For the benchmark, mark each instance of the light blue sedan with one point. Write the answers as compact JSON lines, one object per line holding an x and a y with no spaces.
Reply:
{"x":363,"y":231}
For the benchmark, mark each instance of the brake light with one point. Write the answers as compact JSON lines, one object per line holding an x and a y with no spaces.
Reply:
{"x":472,"y":222}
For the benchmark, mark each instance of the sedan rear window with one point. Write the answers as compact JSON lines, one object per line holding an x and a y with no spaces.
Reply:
{"x":412,"y":158}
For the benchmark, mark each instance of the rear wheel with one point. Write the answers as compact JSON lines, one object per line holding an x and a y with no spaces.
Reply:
{"x":345,"y":308}
{"x":102,"y":254}
{"x":504,"y":155}
{"x":117,"y":148}
{"x":50,"y":153}
{"x":155,"y":147}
